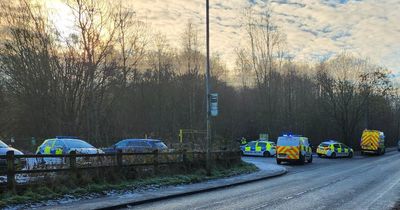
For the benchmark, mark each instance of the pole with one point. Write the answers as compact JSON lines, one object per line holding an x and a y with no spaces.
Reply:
{"x":208,"y":87}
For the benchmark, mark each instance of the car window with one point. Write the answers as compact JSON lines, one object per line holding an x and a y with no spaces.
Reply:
{"x":3,"y":145}
{"x":324,"y":145}
{"x":251,"y":144}
{"x":49,"y":143}
{"x":158,"y":144}
{"x":77,"y":144}
{"x":133,"y":144}
{"x":262,"y":144}
{"x":336,"y":145}
{"x":59,"y":144}
{"x":144,"y":144}
{"x":121,"y":144}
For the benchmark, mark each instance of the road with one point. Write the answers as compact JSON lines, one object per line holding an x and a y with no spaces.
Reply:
{"x":360,"y":183}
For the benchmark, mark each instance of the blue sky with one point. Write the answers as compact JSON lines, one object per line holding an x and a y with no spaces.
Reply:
{"x":316,"y":29}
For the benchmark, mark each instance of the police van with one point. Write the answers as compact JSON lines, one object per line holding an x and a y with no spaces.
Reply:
{"x":259,"y":148}
{"x":293,"y":148}
{"x":373,"y":141}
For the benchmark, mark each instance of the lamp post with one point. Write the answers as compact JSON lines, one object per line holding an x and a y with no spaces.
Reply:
{"x":208,"y":87}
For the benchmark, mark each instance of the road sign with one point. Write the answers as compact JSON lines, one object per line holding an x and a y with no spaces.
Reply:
{"x":214,"y":104}
{"x":264,"y":136}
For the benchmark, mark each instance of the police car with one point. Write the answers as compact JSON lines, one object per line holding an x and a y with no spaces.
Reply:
{"x":333,"y":149}
{"x":259,"y":148}
{"x":65,"y":144}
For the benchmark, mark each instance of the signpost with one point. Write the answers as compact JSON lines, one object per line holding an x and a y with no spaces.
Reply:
{"x":263,"y":136}
{"x":208,"y":75}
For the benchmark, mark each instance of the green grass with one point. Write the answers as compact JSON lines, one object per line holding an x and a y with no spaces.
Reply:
{"x":44,"y":193}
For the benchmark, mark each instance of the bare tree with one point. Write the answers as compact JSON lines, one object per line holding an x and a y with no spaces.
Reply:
{"x":347,"y":83}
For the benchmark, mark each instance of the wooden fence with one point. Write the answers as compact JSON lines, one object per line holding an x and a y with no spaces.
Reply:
{"x":77,"y":162}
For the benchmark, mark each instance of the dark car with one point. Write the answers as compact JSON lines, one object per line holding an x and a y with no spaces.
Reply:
{"x":4,"y":148}
{"x":137,"y":145}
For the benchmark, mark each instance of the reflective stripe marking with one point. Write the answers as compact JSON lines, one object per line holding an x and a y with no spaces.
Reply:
{"x":59,"y":151}
{"x":370,"y":140}
{"x":291,"y":152}
{"x":47,"y":150}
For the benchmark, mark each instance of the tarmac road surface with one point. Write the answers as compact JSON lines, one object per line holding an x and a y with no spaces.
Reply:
{"x":371,"y":182}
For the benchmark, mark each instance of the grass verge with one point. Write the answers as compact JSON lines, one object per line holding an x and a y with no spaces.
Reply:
{"x":38,"y":194}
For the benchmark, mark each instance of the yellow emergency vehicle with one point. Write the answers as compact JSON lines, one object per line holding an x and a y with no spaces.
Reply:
{"x":259,"y":148}
{"x":333,"y":149}
{"x":293,"y":148}
{"x":372,"y":141}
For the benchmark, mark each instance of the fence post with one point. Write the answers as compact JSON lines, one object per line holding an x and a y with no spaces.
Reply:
{"x":184,"y":157}
{"x":119,"y":159}
{"x":155,"y":161}
{"x":72,"y":161}
{"x":10,"y":171}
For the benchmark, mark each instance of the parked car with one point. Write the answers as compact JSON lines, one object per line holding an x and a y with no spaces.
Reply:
{"x":259,"y":148}
{"x":64,"y":145}
{"x":137,"y":145}
{"x":333,"y":149}
{"x":4,"y":148}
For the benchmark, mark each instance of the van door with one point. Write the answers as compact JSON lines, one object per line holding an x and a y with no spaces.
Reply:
{"x":307,"y":147}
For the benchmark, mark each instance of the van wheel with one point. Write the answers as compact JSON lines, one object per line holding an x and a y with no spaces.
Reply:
{"x":310,"y":160}
{"x":333,"y":155}
{"x":350,"y":155}
{"x":267,"y":154}
{"x":301,"y":159}
{"x":278,"y":161}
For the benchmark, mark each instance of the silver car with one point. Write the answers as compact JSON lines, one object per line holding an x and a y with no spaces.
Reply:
{"x":4,"y":148}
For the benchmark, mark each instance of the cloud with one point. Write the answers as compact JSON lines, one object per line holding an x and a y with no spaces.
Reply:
{"x":315,"y":29}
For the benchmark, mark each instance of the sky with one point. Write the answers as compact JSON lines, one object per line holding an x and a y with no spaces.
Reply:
{"x":315,"y":29}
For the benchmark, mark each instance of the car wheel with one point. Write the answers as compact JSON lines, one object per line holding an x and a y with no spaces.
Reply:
{"x":278,"y":161}
{"x":350,"y":155}
{"x":333,"y":155}
{"x":267,"y":154}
